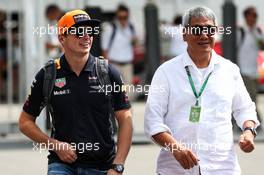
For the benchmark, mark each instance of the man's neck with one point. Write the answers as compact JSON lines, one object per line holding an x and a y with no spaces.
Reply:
{"x":201,"y":60}
{"x":76,"y":62}
{"x":122,"y":25}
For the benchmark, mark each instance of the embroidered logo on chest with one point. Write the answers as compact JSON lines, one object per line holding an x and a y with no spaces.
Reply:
{"x":60,"y":82}
{"x":92,"y":78}
{"x":62,"y":92}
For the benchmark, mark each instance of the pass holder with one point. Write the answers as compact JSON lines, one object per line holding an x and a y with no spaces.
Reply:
{"x":195,"y":113}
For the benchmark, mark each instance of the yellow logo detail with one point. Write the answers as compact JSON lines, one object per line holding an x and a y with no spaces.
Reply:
{"x":57,"y":63}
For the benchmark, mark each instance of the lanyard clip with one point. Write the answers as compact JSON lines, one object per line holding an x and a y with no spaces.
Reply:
{"x":197,"y":102}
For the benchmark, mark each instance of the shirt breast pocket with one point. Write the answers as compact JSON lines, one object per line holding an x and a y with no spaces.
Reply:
{"x":220,"y":91}
{"x":221,"y":102}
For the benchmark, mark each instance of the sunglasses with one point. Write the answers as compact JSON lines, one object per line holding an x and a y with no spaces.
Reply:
{"x":254,"y":15}
{"x":198,"y":30}
{"x":122,"y":17}
{"x":81,"y":31}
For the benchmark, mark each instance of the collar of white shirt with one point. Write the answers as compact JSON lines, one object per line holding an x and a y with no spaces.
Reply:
{"x":215,"y":59}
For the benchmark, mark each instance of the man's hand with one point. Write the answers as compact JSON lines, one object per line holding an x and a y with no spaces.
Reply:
{"x":246,"y":141}
{"x":65,"y":152}
{"x":185,"y":157}
{"x":112,"y":172}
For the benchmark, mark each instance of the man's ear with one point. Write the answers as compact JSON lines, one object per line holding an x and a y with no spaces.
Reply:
{"x":184,"y":33}
{"x":184,"y":37}
{"x":61,"y":39}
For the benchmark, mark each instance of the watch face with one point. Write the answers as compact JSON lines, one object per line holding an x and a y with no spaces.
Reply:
{"x":119,"y":168}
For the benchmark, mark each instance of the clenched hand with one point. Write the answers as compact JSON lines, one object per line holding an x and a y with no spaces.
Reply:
{"x":65,"y":152}
{"x":246,"y":141}
{"x":185,"y":157}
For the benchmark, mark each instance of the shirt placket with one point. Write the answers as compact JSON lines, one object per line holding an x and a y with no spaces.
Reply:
{"x":198,"y":81}
{"x":201,"y":79}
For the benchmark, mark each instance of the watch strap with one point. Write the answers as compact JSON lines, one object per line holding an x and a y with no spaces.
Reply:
{"x":253,"y":130}
{"x":119,"y":168}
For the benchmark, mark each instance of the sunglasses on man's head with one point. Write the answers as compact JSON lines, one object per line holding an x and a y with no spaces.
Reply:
{"x":199,"y":30}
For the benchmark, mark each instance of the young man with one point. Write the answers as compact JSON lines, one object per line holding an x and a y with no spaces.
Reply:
{"x":190,"y":103}
{"x":82,"y":142}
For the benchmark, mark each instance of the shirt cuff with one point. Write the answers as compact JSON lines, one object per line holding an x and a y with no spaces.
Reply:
{"x":240,"y":120}
{"x":155,"y":129}
{"x":121,"y":107}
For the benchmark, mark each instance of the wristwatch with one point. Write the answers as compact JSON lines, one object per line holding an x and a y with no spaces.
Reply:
{"x":119,"y":168}
{"x":252,"y":129}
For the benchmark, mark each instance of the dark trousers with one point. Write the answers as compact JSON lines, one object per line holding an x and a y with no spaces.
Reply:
{"x":64,"y":169}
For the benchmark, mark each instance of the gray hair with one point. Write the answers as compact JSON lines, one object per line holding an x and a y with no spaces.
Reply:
{"x":198,"y":12}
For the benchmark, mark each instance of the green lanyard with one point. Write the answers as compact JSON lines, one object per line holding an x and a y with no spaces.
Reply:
{"x":193,"y":87}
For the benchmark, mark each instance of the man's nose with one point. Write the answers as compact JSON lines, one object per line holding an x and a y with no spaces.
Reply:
{"x":204,"y":35}
{"x":86,"y":36}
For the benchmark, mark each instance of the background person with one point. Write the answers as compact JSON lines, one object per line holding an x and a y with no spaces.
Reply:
{"x":250,"y":42}
{"x":117,"y":43}
{"x":177,"y":46}
{"x":53,"y":46}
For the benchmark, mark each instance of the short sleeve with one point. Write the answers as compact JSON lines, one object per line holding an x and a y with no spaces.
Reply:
{"x":34,"y":101}
{"x":260,"y":34}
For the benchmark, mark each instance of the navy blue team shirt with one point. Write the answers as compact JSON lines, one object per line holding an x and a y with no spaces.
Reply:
{"x":81,"y":112}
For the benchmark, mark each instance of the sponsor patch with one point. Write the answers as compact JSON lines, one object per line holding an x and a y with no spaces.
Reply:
{"x":92,"y":78}
{"x":62,"y":92}
{"x":60,"y":82}
{"x":80,"y":17}
{"x":96,"y":87}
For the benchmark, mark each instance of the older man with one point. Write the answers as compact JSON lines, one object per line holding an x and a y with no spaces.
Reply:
{"x":189,"y":107}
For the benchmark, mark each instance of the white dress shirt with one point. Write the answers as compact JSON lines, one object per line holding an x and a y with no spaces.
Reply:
{"x":211,"y":139}
{"x":248,"y":52}
{"x":121,"y":49}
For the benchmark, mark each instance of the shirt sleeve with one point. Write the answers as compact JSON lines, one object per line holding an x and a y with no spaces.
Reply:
{"x":262,"y":36}
{"x":34,"y":101}
{"x":157,"y":105}
{"x":243,"y":107}
{"x":259,"y":34}
{"x":119,"y":96}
